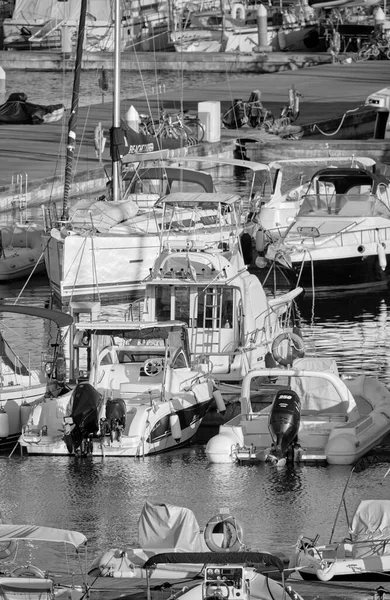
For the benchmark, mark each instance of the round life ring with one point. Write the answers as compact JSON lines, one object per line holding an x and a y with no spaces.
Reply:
{"x":297,"y":350}
{"x":28,"y":571}
{"x":238,"y":11}
{"x":10,"y":549}
{"x":232,"y":523}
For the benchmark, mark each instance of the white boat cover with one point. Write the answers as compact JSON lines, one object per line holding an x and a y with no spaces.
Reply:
{"x":40,"y":534}
{"x":317,"y":394}
{"x":165,"y":526}
{"x":370,"y":529}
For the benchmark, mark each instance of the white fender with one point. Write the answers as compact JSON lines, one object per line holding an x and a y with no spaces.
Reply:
{"x":174,"y":424}
{"x":381,"y":256}
{"x":219,"y":401}
{"x":260,"y":240}
{"x":4,"y":424}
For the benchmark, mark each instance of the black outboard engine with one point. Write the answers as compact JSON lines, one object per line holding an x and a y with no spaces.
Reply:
{"x":84,"y":420}
{"x":115,"y":417}
{"x":283,"y":424}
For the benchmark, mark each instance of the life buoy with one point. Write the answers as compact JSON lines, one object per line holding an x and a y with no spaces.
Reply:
{"x":238,"y":11}
{"x":10,"y":549}
{"x":233,"y":524}
{"x":297,"y":348}
{"x":28,"y":571}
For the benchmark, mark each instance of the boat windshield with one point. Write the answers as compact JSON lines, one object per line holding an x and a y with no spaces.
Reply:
{"x":343,"y":205}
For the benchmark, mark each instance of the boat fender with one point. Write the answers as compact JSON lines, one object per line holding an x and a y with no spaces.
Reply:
{"x":10,"y":549}
{"x":28,"y":571}
{"x":174,"y":424}
{"x":4,"y":424}
{"x":382,"y":256}
{"x":296,"y":344}
{"x":233,"y":525}
{"x":219,"y":401}
{"x":246,"y":248}
{"x":260,"y":240}
{"x":326,"y":573}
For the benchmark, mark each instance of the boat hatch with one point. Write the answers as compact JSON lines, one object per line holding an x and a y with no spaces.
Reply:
{"x":308,"y":231}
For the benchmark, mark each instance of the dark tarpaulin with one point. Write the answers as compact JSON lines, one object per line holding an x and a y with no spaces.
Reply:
{"x":62,"y":319}
{"x":124,"y":140}
{"x":17,"y":111}
{"x":255,"y":559}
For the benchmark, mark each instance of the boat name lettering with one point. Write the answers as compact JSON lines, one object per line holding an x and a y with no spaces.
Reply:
{"x":140,"y":148}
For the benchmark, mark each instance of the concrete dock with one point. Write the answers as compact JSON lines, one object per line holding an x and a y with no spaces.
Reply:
{"x":329,"y":91}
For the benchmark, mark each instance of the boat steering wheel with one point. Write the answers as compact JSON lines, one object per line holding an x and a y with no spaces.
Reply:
{"x":217,"y":589}
{"x":153,"y":366}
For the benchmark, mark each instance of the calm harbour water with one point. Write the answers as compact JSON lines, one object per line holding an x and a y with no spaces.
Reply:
{"x":103,"y":498}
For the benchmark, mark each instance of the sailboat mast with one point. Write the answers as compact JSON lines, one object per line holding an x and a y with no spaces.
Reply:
{"x":71,"y":144}
{"x":116,"y":172}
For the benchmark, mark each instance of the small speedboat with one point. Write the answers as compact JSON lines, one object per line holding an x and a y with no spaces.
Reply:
{"x":165,"y":528}
{"x":22,"y":545}
{"x":339,"y":237}
{"x":363,"y":553}
{"x":21,"y":385}
{"x":232,"y":575}
{"x":315,"y":417}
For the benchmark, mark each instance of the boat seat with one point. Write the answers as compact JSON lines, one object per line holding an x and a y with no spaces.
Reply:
{"x":26,"y":588}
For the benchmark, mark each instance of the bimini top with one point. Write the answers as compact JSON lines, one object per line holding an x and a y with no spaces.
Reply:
{"x":259,"y":560}
{"x":62,"y":319}
{"x":198,"y":200}
{"x":133,"y":329}
{"x":36,"y":533}
{"x":170,"y":176}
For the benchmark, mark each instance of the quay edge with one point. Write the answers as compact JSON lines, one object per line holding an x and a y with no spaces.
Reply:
{"x":264,"y":62}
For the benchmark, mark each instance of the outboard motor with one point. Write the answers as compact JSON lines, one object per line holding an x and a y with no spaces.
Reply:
{"x":84,"y":419}
{"x":283,"y":424}
{"x":115,"y":417}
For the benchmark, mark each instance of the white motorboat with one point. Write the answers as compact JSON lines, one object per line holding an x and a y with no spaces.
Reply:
{"x":141,"y":396}
{"x":230,"y":575}
{"x":363,"y":553}
{"x":21,"y":385}
{"x":339,"y":238}
{"x":165,"y":528}
{"x":24,"y":544}
{"x":315,"y":417}
{"x":232,"y":323}
{"x":293,"y":180}
{"x":21,"y":252}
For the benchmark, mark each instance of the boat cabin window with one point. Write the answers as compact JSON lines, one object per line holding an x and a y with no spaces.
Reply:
{"x":180,"y":361}
{"x":344,"y":205}
{"x":173,"y":303}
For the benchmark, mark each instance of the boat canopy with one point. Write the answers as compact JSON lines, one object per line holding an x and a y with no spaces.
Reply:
{"x":131,"y":329}
{"x":60,"y":318}
{"x":320,"y":395}
{"x":168,"y":176}
{"x":36,"y":533}
{"x":370,"y":529}
{"x":198,"y":200}
{"x":166,"y":527}
{"x":234,"y":162}
{"x":258,"y":560}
